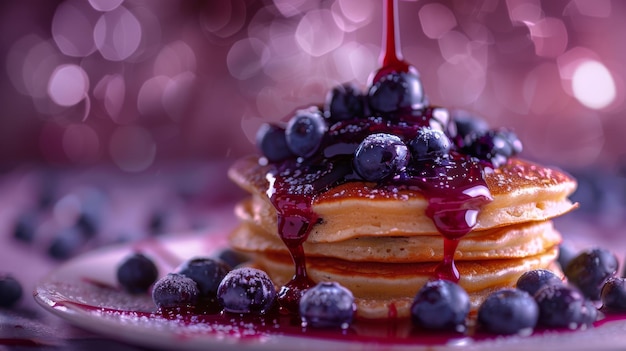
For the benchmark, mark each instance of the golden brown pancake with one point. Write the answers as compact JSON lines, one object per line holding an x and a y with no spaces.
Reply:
{"x":379,"y":243}
{"x":377,"y":285}
{"x":522,"y":240}
{"x":522,"y":192}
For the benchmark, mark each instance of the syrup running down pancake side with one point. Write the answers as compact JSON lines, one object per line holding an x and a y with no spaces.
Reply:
{"x":322,"y":197}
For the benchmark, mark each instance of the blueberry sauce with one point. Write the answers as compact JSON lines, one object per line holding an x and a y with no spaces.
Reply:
{"x":453,"y":183}
{"x":192,"y":322}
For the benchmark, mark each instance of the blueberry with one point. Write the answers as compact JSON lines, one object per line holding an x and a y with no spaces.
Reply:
{"x":232,"y":257}
{"x":494,"y":146}
{"x":566,"y":254}
{"x":563,"y":306}
{"x":513,"y":140}
{"x":207,"y":273}
{"x":10,"y":291}
{"x":534,"y":280}
{"x":613,"y":294}
{"x":508,"y":311}
{"x":272,"y":142}
{"x":136,"y":273}
{"x":68,"y":242}
{"x":25,"y":226}
{"x":379,"y":156}
{"x":305,"y":131}
{"x":429,"y":144}
{"x":87,"y":223}
{"x":175,"y":290}
{"x":465,"y":125}
{"x":395,"y":92}
{"x":441,"y":305}
{"x":327,"y":305}
{"x":246,"y":290}
{"x":590,"y":269}
{"x":344,"y":102}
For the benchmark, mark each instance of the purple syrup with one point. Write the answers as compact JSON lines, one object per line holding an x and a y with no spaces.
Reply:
{"x":192,"y":322}
{"x":455,"y":186}
{"x":391,"y":56}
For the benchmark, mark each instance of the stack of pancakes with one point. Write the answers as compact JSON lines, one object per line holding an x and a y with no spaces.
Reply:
{"x":379,"y":243}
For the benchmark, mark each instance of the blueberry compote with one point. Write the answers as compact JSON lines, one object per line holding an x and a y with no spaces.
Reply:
{"x":393,"y":138}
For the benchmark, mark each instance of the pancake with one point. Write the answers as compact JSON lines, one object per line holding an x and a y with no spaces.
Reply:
{"x":384,"y":288}
{"x":521,"y":240}
{"x":380,"y":243}
{"x":522,"y":192}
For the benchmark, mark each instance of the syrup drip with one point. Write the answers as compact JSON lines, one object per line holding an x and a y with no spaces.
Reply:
{"x":391,"y":57}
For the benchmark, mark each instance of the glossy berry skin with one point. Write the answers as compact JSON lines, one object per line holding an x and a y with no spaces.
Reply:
{"x":304,"y":132}
{"x":396,"y":91}
{"x":246,"y":290}
{"x":231,"y":257}
{"x":563,"y":306}
{"x":379,"y":156}
{"x":207,"y":273}
{"x":429,"y":144}
{"x":10,"y":291}
{"x":441,"y":305}
{"x":327,"y":305}
{"x":344,"y":102}
{"x":508,"y":311}
{"x":492,"y":146}
{"x":566,"y":255}
{"x":272,"y":142}
{"x":533,"y":281}
{"x":464,"y":125}
{"x":136,"y":273}
{"x":175,"y":291}
{"x":613,"y":295}
{"x":590,"y":269}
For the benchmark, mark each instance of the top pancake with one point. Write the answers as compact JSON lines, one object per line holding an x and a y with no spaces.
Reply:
{"x":522,"y":192}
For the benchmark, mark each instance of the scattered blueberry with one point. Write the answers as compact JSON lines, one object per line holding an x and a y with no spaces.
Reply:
{"x":429,"y":144}
{"x":232,"y":257}
{"x":157,"y":222}
{"x":327,"y":305}
{"x":207,"y":273}
{"x":465,"y":125}
{"x":67,"y":243}
{"x":534,"y":280}
{"x":613,"y":294}
{"x":344,"y":102}
{"x":513,"y":140}
{"x":10,"y":290}
{"x":396,"y":91}
{"x":563,"y":306}
{"x":305,"y":131}
{"x":590,"y":269}
{"x":379,"y":156}
{"x":136,"y":273}
{"x":25,"y":227}
{"x":566,"y":254}
{"x":441,"y":305}
{"x":508,"y":311}
{"x":494,"y":146}
{"x":272,"y":142}
{"x":246,"y":290}
{"x":175,"y":290}
{"x":88,"y":224}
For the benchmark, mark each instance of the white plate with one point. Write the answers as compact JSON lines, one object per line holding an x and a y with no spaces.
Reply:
{"x":82,"y":291}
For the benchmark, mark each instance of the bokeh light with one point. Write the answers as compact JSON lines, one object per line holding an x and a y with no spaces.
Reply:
{"x":194,"y":79}
{"x":593,"y":85}
{"x":68,"y":85}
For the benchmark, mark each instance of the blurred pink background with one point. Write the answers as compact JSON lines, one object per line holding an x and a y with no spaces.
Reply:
{"x":133,"y":82}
